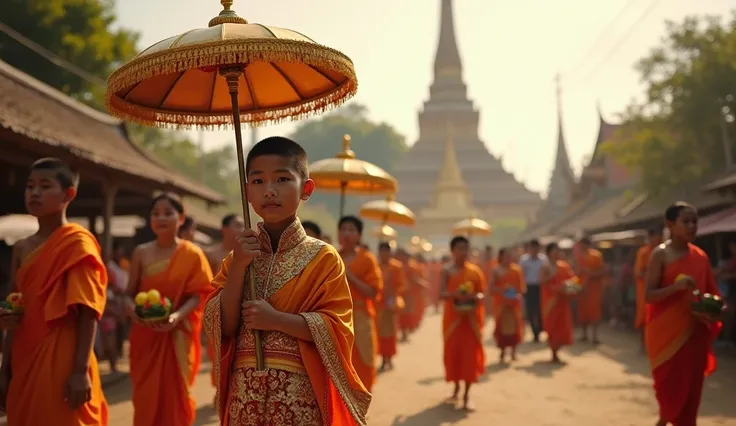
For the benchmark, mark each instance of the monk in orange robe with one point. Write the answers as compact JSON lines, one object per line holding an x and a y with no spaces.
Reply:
{"x":414,"y":295}
{"x":679,"y":342}
{"x":592,"y":274}
{"x":640,"y":271}
{"x":463,"y":317}
{"x":165,"y":354}
{"x":555,"y":301}
{"x":302,"y":309}
{"x":49,"y":374}
{"x":366,"y":284}
{"x":489,"y":264}
{"x":391,"y":304}
{"x":232,"y":226}
{"x":507,"y":288}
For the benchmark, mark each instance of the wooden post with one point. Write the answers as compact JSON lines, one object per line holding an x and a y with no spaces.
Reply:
{"x":108,"y":211}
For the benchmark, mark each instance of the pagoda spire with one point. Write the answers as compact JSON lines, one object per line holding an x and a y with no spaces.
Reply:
{"x":559,"y":192}
{"x":447,"y":59}
{"x":562,"y":161}
{"x":451,"y":189}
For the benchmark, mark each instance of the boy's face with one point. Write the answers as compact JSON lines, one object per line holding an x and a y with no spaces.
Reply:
{"x":685,"y":227}
{"x":233,"y":229}
{"x":384,"y":255}
{"x":44,"y":195}
{"x":460,"y":252}
{"x":275,"y":189}
{"x":348,"y":235}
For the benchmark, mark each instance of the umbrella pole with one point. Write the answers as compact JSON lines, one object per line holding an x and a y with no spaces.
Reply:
{"x":343,"y":186}
{"x":232,"y":75}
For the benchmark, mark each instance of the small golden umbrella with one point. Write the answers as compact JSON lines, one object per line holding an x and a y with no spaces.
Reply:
{"x":347,"y":174}
{"x":472,"y":226}
{"x":228,"y":73}
{"x":388,"y":211}
{"x":386,"y":232}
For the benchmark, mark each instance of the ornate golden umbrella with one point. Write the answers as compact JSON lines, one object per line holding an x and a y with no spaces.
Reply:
{"x":347,"y":174}
{"x":388,"y":211}
{"x":228,"y":73}
{"x":472,"y":226}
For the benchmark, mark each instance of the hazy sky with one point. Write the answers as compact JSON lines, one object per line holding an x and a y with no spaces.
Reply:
{"x":511,"y":51}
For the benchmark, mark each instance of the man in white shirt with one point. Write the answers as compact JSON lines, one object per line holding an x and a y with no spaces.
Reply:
{"x":531,"y":264}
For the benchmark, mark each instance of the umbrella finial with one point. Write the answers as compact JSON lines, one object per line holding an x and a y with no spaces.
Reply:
{"x":227,"y":16}
{"x":346,"y":151}
{"x":390,"y":197}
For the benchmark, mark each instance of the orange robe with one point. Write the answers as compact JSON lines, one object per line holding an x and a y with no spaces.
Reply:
{"x":64,"y":272}
{"x":488,"y":268}
{"x":507,"y":316}
{"x":366,"y":268}
{"x":411,"y":316}
{"x":679,"y":346}
{"x":388,"y":316}
{"x":640,"y":267}
{"x":434,"y":272}
{"x":590,"y":300}
{"x":306,"y":383}
{"x":556,"y":311}
{"x":464,"y":357}
{"x":163,"y":366}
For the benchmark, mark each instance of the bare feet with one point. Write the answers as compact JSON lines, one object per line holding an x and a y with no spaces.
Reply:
{"x":467,"y":405}
{"x":513,"y":355}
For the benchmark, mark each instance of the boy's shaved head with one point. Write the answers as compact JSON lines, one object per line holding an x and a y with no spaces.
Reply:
{"x":65,"y":175}
{"x":283,"y":147}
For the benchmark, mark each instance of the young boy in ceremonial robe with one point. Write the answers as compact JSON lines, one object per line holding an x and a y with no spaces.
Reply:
{"x":679,"y":342}
{"x":463,"y":284}
{"x":49,"y":373}
{"x":302,"y":308}
{"x":165,"y":353}
{"x":654,"y":238}
{"x":366,"y":283}
{"x":391,"y":304}
{"x":555,"y":301}
{"x":592,"y":276}
{"x":507,"y":288}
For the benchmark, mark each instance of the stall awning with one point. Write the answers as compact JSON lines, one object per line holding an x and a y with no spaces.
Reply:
{"x":715,"y":223}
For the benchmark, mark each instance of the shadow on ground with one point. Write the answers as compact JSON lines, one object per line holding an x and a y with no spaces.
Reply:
{"x":436,"y":415}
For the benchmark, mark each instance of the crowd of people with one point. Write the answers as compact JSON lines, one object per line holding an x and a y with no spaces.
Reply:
{"x":307,"y":347}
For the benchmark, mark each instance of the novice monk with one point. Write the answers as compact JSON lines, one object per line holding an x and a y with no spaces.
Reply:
{"x":679,"y":344}
{"x":556,"y":311}
{"x":391,"y":304}
{"x":51,"y":376}
{"x":232,"y":226}
{"x":464,"y":357}
{"x":165,"y":354}
{"x":640,"y":273}
{"x":411,"y":315}
{"x":507,"y":287}
{"x":364,"y":277}
{"x":302,"y":308}
{"x":592,"y":274}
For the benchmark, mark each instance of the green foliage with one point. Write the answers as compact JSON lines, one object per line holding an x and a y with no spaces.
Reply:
{"x":80,"y":31}
{"x":377,"y":143}
{"x":677,"y":134}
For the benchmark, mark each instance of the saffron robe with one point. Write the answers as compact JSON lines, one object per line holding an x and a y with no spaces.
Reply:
{"x":411,"y":316}
{"x":488,"y":268}
{"x":163,"y":365}
{"x":640,"y":267}
{"x":556,"y":310}
{"x":464,"y":357}
{"x":366,"y":268}
{"x":64,"y":272}
{"x":305,"y":383}
{"x":590,"y":301}
{"x":391,"y":303}
{"x":509,"y":324}
{"x":679,"y":346}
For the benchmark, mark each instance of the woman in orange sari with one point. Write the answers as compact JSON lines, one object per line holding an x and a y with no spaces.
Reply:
{"x":366,"y":283}
{"x":679,"y":343}
{"x":556,"y":310}
{"x":507,"y":287}
{"x":165,"y":354}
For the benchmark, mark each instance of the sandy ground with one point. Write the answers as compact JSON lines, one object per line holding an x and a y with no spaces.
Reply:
{"x":603,"y":386}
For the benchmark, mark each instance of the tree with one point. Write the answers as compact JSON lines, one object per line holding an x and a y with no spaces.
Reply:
{"x":79,"y":31}
{"x":377,"y":143}
{"x":680,"y":132}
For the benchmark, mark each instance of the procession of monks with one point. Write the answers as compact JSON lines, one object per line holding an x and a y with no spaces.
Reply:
{"x":324,"y":315}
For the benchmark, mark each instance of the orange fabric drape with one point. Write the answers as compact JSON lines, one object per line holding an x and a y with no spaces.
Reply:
{"x":464,"y":357}
{"x":509,"y":324}
{"x":66,"y":271}
{"x":589,"y":302}
{"x":163,"y":366}
{"x":679,"y":346}
{"x":387,"y":324}
{"x":556,"y":311}
{"x":320,"y":293}
{"x":640,"y":267}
